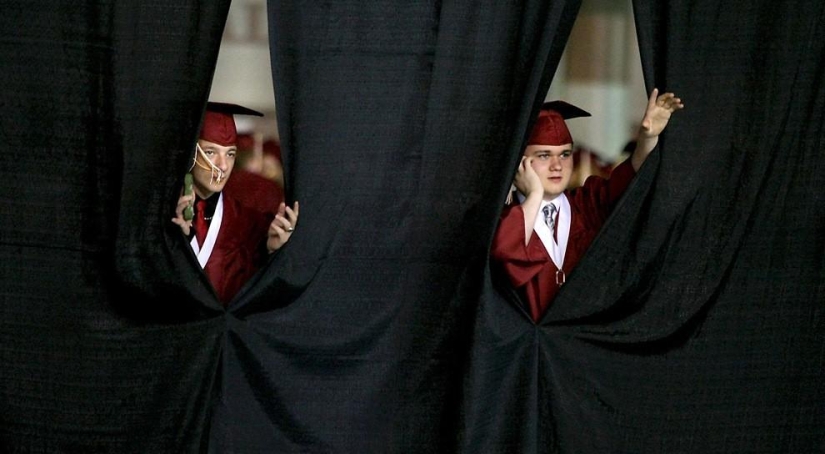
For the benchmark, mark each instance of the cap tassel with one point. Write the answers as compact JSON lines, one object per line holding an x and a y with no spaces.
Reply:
{"x":509,"y":199}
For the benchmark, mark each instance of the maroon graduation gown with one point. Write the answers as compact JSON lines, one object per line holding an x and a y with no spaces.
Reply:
{"x":529,"y":268}
{"x":240,"y":248}
{"x":254,"y":191}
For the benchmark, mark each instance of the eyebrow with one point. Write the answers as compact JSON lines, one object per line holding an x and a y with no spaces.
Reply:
{"x":214,"y":148}
{"x":566,"y":150}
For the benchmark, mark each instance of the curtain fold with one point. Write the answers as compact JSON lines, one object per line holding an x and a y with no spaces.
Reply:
{"x":396,"y":121}
{"x":105,"y":340}
{"x":694,"y":323}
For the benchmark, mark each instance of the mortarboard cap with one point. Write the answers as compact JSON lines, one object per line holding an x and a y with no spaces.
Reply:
{"x":550,"y":128}
{"x":219,"y":122}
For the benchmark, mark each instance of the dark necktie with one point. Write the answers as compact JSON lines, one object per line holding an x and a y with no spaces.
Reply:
{"x":200,"y":221}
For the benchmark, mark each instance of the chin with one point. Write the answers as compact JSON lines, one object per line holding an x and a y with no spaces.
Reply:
{"x":551,"y":193}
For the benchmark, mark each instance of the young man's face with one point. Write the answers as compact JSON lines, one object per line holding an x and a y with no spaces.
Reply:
{"x":204,"y":178}
{"x":554,"y":165}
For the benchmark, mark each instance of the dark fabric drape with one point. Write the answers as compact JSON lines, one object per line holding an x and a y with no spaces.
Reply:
{"x":396,"y":120}
{"x":694,"y":324}
{"x":100,"y":101}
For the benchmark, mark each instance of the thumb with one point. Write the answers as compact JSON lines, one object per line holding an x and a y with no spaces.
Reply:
{"x":646,"y":124}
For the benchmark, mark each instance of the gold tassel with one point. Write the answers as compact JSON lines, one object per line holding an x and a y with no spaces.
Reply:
{"x":509,"y":198}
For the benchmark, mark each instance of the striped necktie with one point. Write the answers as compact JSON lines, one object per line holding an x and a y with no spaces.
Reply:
{"x":550,"y":217}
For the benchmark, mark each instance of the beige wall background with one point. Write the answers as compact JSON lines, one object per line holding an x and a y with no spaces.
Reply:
{"x":600,"y":72}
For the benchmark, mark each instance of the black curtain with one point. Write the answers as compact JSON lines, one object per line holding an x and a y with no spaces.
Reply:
{"x":694,"y":324}
{"x":109,"y":339}
{"x":399,"y":124}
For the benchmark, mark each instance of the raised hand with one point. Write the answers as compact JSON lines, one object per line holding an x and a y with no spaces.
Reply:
{"x":183,"y":202}
{"x":659,"y":110}
{"x":657,"y":115}
{"x":281,"y":228}
{"x":527,"y":181}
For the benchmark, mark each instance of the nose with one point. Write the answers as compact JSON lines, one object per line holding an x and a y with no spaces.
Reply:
{"x":220,"y":161}
{"x":555,"y":162}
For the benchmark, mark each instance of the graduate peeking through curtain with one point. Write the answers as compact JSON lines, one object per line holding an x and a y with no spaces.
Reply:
{"x":231,"y":241}
{"x":546,"y":229}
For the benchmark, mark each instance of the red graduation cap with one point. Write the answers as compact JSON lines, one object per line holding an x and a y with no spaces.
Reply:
{"x":550,"y":128}
{"x":219,"y":122}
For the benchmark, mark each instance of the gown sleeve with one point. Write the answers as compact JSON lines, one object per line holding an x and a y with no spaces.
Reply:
{"x":597,"y":197}
{"x":520,"y":262}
